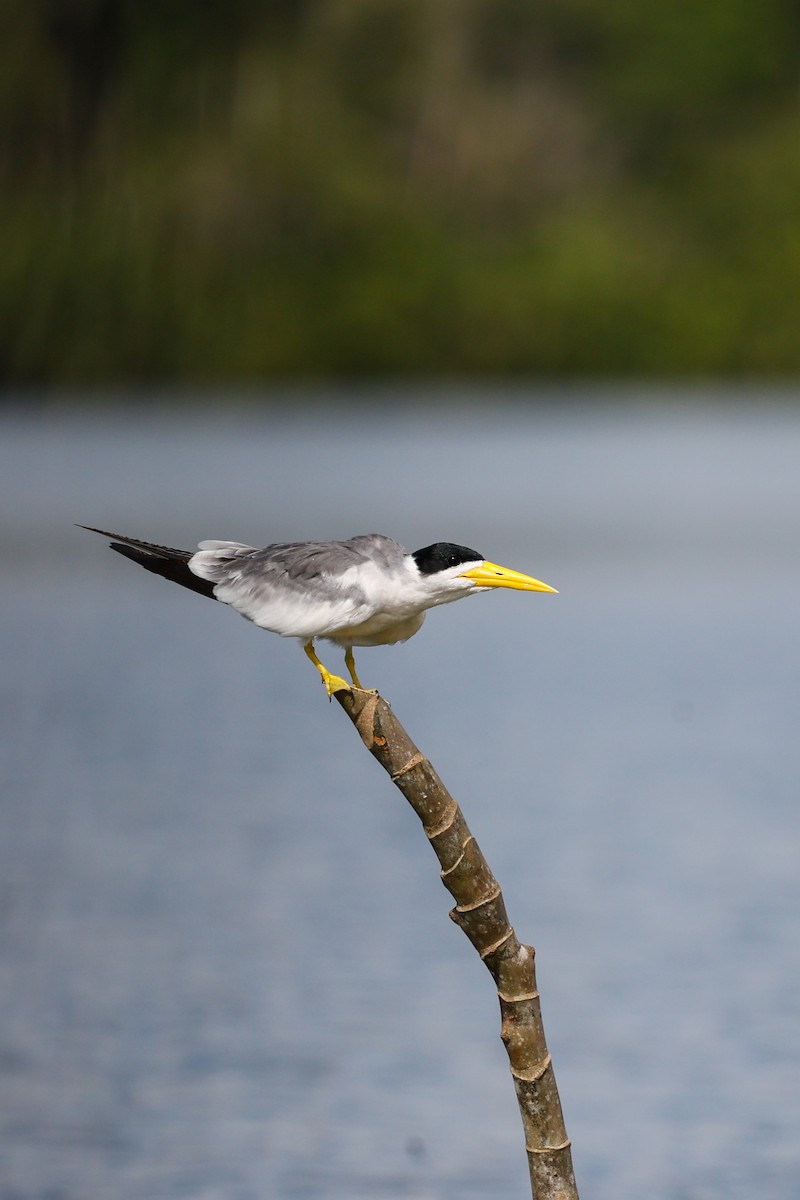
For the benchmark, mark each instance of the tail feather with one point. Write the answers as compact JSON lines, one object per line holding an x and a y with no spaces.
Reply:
{"x":166,"y":561}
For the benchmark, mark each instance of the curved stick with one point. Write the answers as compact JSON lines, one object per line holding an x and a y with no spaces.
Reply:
{"x":480,"y":912}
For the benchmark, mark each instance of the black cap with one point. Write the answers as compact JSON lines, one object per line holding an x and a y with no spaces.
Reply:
{"x":441,"y":555}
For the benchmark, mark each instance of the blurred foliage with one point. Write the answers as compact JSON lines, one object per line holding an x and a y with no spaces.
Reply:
{"x":274,"y":188}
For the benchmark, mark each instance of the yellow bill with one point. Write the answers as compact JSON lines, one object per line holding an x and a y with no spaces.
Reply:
{"x":489,"y":574}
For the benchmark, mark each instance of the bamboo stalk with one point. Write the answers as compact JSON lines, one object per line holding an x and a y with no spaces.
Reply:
{"x":480,"y":912}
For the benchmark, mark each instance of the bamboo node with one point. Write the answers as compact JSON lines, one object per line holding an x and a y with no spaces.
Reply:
{"x":444,"y":824}
{"x":467,"y":908}
{"x":549,"y":1149}
{"x":414,"y":761}
{"x":519,"y":999}
{"x":460,"y":858}
{"x":535,"y":1072}
{"x":496,"y":946}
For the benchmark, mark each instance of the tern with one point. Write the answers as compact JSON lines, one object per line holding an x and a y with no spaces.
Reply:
{"x":364,"y":591}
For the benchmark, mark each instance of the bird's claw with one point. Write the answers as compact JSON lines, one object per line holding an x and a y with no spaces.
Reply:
{"x":334,"y":683}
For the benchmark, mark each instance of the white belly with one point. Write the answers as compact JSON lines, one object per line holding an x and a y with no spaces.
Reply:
{"x":383,"y":629}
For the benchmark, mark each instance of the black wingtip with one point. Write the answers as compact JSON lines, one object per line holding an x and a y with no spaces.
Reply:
{"x":166,"y":561}
{"x":117,"y":537}
{"x":91,"y":529}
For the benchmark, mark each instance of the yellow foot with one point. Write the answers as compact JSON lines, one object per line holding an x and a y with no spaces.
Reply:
{"x":333,"y":683}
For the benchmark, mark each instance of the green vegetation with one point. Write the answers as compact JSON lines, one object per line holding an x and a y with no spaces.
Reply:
{"x":331,"y":188}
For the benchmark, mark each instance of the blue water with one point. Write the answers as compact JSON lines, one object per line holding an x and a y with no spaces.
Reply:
{"x":226,"y":966}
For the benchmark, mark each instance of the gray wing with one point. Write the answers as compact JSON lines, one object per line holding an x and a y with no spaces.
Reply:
{"x":300,"y":562}
{"x":295,"y":588}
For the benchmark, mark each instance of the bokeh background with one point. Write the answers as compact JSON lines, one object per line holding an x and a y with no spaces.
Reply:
{"x":348,"y":187}
{"x":522,"y":276}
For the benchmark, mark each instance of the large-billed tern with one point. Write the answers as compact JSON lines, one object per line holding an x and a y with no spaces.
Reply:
{"x":364,"y":591}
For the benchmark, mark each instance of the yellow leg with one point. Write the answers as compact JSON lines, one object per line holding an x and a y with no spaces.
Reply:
{"x":332,"y":682}
{"x":350,"y":663}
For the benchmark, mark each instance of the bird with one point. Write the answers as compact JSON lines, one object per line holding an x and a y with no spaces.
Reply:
{"x":367,"y":590}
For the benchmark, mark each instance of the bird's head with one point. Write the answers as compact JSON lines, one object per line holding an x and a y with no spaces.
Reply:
{"x":454,"y":571}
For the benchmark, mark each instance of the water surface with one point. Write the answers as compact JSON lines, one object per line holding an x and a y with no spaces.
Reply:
{"x":227,"y":969}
